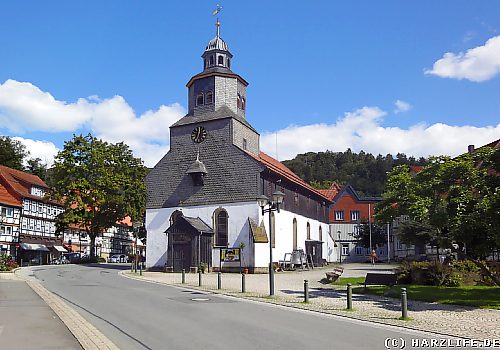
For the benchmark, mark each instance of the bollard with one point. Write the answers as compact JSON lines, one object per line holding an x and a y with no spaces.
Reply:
{"x":140,"y":269}
{"x":349,"y":296}
{"x":219,"y":280}
{"x":243,"y":284}
{"x":132,"y":267}
{"x":404,"y":304}
{"x":199,"y":278}
{"x":306,"y":291}
{"x":183,"y":276}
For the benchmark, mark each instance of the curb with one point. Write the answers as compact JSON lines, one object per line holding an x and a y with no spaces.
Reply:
{"x":89,"y":337}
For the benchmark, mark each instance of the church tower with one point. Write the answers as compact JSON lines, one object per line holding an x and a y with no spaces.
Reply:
{"x":219,"y":93}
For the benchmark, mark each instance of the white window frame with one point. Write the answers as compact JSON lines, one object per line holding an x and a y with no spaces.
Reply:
{"x":339,"y":215}
{"x":345,"y":249}
{"x":355,"y":215}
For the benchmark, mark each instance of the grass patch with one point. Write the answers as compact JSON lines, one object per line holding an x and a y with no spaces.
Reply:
{"x":475,"y":296}
{"x":342,"y":281}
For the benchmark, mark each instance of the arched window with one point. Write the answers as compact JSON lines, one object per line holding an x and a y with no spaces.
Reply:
{"x":228,"y":62}
{"x":238,"y":101}
{"x":200,"y":99}
{"x":205,"y":63}
{"x":211,"y":60}
{"x":294,"y":234}
{"x":220,"y":61}
{"x":221,"y":227}
{"x":243,"y":102}
{"x":175,"y":215}
{"x":308,"y":231}
{"x":320,"y":234}
{"x":273,"y":227}
{"x":209,"y":98}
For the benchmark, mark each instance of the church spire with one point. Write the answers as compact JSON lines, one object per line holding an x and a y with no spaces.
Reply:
{"x":217,"y":53}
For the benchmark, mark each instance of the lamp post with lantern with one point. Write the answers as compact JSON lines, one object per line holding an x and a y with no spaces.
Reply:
{"x":274,"y":205}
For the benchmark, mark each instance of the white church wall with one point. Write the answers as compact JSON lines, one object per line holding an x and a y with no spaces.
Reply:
{"x":158,"y":221}
{"x":284,"y":237}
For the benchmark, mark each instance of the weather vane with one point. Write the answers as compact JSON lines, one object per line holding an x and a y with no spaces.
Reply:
{"x":216,"y":13}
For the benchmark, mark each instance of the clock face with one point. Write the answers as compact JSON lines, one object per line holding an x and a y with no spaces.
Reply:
{"x":199,"y":134}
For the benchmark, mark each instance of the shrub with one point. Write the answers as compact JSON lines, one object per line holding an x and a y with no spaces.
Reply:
{"x":7,"y":263}
{"x":101,"y":260}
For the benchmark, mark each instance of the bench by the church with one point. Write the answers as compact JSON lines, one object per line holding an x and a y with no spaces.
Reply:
{"x":380,"y":279}
{"x":335,"y":274}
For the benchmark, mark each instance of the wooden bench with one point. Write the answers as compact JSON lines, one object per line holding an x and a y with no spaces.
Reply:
{"x":379,"y":279}
{"x":335,"y":274}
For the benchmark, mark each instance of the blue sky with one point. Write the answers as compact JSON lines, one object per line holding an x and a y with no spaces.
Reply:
{"x":361,"y":74}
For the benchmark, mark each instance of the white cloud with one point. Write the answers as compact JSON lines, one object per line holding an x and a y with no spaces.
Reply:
{"x":477,"y":64}
{"x":24,"y":107}
{"x":45,"y":150}
{"x":401,"y":106}
{"x":362,"y":130}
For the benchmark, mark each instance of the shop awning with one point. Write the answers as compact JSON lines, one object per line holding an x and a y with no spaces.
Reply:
{"x":37,"y":247}
{"x":60,"y":248}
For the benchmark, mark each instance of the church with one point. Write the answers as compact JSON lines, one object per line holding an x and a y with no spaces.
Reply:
{"x":202,"y":195}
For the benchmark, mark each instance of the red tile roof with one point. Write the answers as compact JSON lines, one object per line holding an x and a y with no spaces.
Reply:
{"x":279,"y":168}
{"x":331,"y":192}
{"x":19,"y":183}
{"x":7,"y":198}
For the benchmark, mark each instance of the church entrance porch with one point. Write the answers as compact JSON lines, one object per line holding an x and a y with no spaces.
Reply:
{"x":189,"y":244}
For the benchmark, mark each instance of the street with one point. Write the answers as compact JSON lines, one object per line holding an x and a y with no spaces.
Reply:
{"x":141,"y":315}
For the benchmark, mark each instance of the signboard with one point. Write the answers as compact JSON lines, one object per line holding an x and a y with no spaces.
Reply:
{"x":230,"y":254}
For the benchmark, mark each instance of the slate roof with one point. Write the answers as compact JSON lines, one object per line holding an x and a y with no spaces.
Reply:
{"x":283,"y":171}
{"x":219,"y":71}
{"x":350,"y":190}
{"x":18,"y":184}
{"x":198,"y":224}
{"x":221,"y":113}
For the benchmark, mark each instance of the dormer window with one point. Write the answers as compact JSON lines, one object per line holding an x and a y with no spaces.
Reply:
{"x":37,"y":191}
{"x":209,"y":98}
{"x":200,"y":99}
{"x":220,"y":61}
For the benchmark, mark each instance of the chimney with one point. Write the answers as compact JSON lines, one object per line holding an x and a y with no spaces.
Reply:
{"x":470,"y":148}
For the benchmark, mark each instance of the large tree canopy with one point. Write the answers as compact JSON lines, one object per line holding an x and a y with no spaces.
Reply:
{"x":12,"y":153}
{"x":99,"y":183}
{"x":451,"y":203}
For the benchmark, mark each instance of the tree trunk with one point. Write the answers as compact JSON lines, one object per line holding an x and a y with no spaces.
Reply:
{"x":486,"y":272}
{"x":92,"y":236}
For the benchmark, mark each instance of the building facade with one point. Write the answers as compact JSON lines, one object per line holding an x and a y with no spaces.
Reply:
{"x":202,"y":195}
{"x":347,"y":213}
{"x":30,"y":217}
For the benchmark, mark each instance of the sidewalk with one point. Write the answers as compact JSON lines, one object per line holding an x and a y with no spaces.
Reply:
{"x":444,"y":319}
{"x":27,"y":322}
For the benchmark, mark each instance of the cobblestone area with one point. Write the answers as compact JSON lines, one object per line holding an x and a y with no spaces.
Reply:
{"x":444,"y":319}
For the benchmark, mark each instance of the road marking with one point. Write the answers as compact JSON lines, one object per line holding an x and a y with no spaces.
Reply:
{"x":200,"y":299}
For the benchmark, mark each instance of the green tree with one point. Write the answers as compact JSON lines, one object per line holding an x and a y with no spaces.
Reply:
{"x":452,"y":203}
{"x":99,"y":183}
{"x":378,"y":235}
{"x":12,"y":153}
{"x":36,"y":167}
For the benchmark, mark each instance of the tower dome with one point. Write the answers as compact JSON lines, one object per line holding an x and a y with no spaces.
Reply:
{"x":217,"y":53}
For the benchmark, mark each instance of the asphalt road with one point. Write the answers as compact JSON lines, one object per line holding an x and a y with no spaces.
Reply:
{"x":142,"y":315}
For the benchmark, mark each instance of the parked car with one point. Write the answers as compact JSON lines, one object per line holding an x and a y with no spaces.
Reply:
{"x":72,"y":258}
{"x":118,"y":258}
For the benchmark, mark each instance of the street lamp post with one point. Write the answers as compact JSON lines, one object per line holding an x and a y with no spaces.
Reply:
{"x":340,"y":247}
{"x":274,"y":205}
